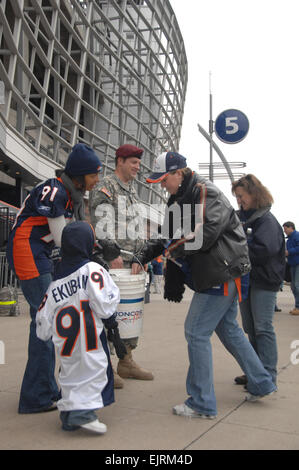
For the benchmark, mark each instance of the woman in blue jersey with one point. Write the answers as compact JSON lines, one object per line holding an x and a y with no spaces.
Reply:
{"x":37,"y":230}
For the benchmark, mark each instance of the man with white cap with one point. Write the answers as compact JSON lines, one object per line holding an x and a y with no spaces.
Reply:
{"x":165,"y":164}
{"x":212,"y":265}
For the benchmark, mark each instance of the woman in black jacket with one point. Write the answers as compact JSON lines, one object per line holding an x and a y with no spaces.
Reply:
{"x":266,"y":245}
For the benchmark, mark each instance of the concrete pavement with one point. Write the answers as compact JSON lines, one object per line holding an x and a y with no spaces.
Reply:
{"x":141,"y":417}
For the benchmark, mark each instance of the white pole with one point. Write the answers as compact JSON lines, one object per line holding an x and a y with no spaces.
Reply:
{"x":211,"y":129}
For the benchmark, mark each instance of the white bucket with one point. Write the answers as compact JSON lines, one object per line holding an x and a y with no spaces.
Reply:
{"x":130,"y":308}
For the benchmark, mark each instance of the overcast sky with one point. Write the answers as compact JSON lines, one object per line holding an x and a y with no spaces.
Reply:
{"x":251,"y":49}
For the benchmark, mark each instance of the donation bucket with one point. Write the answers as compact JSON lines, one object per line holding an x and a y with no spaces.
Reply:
{"x":130,"y":308}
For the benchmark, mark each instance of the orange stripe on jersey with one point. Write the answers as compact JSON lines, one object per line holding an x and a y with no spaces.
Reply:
{"x":24,"y":263}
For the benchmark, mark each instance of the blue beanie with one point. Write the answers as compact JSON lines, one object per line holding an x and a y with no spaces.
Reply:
{"x":82,"y":161}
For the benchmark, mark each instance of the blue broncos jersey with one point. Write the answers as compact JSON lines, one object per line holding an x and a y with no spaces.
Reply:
{"x":30,"y":242}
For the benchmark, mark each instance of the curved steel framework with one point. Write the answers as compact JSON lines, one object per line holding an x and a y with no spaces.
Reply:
{"x":100,"y":72}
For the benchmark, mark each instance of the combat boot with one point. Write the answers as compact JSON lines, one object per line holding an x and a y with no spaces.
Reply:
{"x":295,"y":311}
{"x":127,"y":368}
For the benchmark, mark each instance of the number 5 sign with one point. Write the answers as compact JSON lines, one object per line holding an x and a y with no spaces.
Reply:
{"x":231,"y":126}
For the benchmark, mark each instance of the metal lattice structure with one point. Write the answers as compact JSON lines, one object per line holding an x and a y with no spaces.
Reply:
{"x":99,"y":72}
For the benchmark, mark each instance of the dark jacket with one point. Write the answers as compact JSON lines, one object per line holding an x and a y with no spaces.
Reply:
{"x":223,"y":252}
{"x":266,"y":245}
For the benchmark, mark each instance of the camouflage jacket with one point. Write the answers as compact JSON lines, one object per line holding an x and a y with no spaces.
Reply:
{"x":116,"y":213}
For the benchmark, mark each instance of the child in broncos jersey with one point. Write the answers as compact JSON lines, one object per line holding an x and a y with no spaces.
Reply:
{"x":79,"y":302}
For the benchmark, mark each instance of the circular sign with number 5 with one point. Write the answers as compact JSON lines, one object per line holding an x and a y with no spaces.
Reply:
{"x":231,"y":126}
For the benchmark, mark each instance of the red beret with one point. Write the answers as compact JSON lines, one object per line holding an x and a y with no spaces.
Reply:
{"x":127,"y":150}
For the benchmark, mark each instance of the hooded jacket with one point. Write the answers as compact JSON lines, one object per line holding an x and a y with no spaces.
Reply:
{"x":77,"y":243}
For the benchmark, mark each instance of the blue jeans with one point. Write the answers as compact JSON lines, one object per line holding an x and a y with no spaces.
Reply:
{"x":209,"y":313}
{"x":39,"y":388}
{"x":257,"y":313}
{"x":295,"y":283}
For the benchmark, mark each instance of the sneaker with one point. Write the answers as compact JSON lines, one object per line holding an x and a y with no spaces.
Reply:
{"x":95,"y":426}
{"x":252,"y":398}
{"x":184,"y":410}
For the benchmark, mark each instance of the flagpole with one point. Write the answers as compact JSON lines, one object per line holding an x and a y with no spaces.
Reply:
{"x":211,"y":129}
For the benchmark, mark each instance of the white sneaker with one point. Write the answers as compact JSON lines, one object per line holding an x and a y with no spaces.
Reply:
{"x":95,"y":426}
{"x":252,"y":398}
{"x":184,"y":410}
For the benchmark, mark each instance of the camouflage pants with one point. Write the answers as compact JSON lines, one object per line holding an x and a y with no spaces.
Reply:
{"x":129,"y":342}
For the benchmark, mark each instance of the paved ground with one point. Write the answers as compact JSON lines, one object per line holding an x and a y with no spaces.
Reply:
{"x":141,"y":417}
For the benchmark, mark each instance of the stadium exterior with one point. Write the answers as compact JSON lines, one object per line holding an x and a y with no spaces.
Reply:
{"x":99,"y":72}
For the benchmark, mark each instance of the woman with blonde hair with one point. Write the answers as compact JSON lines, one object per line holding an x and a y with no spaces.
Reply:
{"x":266,"y":246}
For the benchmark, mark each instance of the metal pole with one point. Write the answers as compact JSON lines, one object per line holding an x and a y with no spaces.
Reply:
{"x":211,"y":129}
{"x":217,"y":149}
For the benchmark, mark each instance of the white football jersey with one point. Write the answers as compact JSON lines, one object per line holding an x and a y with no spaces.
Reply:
{"x":71,"y":313}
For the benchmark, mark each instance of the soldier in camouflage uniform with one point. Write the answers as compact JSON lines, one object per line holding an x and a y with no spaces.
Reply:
{"x":116,"y":213}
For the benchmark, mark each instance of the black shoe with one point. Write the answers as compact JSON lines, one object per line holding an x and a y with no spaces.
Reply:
{"x":241,"y":380}
{"x":277,"y":309}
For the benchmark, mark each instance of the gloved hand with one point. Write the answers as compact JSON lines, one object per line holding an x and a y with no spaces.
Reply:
{"x":98,"y":259}
{"x":107,"y":249}
{"x":174,"y":287}
{"x":55,"y":254}
{"x":55,"y":257}
{"x":113,"y":336}
{"x":150,"y":250}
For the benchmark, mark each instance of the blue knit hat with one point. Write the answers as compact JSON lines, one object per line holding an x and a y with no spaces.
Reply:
{"x":82,"y":161}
